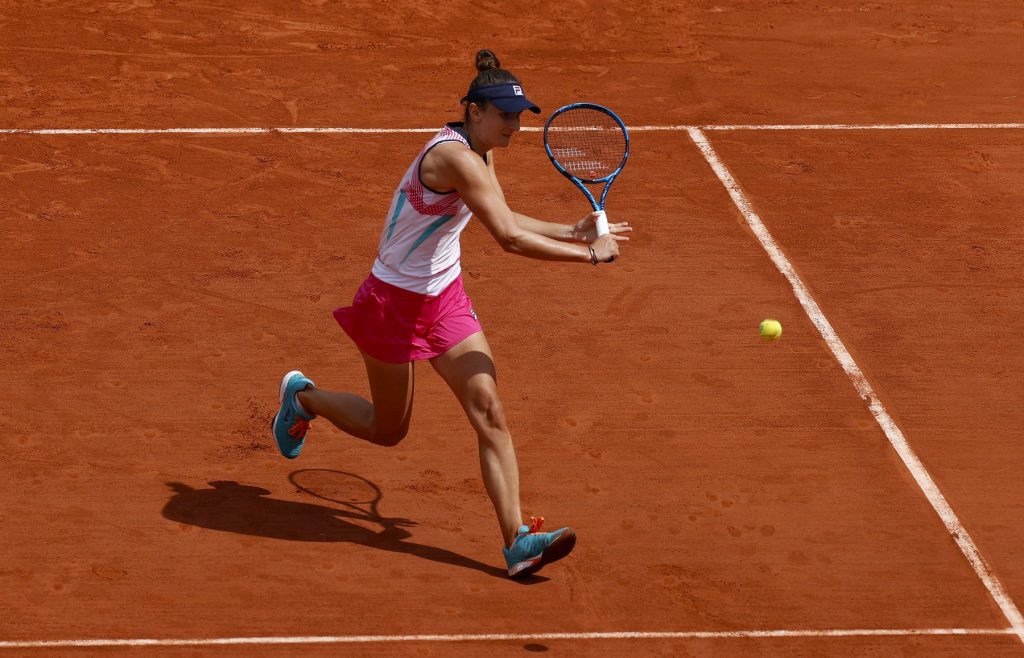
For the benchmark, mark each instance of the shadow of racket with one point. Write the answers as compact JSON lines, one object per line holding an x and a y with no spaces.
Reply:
{"x":354,"y":492}
{"x":359,"y":499}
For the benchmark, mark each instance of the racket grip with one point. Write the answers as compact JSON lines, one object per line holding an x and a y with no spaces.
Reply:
{"x":601,"y":223}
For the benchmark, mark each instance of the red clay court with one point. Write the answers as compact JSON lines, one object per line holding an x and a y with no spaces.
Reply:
{"x":187,"y":190}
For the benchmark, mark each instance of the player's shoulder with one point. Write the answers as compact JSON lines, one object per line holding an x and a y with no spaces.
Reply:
{"x":456,"y":155}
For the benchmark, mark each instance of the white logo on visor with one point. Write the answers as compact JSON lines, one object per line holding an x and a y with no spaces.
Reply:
{"x":518,"y":90}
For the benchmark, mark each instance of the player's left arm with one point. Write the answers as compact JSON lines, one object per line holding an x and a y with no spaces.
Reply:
{"x":582,"y":231}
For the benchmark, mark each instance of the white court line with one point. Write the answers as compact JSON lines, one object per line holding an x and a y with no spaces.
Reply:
{"x":207,"y":131}
{"x":892,"y":431}
{"x":846,"y":126}
{"x":387,"y":131}
{"x":510,"y":637}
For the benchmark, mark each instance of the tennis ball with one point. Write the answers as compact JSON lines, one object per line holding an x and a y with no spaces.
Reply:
{"x":770,"y":330}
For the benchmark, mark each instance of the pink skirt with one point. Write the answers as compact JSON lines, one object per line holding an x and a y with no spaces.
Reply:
{"x":397,"y":326}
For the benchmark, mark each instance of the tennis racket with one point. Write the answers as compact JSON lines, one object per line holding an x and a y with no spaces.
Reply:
{"x":589,"y":145}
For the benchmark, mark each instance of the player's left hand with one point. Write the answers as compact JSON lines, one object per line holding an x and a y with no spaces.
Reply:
{"x":585,"y":231}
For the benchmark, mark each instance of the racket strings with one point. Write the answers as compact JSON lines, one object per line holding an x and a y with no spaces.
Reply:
{"x":587,"y":143}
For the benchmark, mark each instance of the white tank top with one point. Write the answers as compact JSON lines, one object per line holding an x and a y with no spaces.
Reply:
{"x":419,"y":246}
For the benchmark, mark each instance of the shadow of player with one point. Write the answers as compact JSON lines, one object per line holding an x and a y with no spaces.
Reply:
{"x":232,"y":507}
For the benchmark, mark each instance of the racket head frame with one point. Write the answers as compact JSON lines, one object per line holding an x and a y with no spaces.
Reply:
{"x":582,"y":183}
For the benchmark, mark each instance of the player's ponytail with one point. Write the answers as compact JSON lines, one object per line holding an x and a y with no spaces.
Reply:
{"x":489,"y":72}
{"x":487,"y":60}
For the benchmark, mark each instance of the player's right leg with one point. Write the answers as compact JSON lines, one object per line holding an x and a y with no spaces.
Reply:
{"x":384,"y":421}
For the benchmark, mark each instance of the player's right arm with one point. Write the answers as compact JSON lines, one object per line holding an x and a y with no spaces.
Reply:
{"x":467,"y":173}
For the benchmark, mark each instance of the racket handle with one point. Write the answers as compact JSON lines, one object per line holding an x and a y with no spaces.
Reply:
{"x":601,"y":223}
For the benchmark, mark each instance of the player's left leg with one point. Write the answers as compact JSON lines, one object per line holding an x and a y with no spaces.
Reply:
{"x":469,"y":370}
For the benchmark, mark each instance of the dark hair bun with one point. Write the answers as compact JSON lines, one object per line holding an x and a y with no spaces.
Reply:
{"x":486,"y":60}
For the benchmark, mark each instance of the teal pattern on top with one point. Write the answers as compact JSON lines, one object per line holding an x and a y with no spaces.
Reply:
{"x":398,"y":210}
{"x":436,"y":224}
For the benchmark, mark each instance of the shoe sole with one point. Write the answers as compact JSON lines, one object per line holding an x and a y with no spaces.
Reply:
{"x":558,"y":549}
{"x":284,"y":383}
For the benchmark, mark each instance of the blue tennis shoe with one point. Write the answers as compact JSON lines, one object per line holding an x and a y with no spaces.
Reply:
{"x":291,"y":423}
{"x":532,"y":549}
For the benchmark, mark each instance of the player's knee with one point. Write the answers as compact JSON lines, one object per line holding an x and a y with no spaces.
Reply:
{"x":390,"y":436}
{"x":489,"y":411}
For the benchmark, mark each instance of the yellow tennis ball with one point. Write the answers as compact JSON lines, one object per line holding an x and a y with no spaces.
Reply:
{"x":770,"y":330}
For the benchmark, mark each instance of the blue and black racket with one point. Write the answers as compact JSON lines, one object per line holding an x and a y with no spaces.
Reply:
{"x":589,"y":145}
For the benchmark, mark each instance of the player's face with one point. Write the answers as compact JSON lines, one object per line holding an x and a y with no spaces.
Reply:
{"x":497,"y":126}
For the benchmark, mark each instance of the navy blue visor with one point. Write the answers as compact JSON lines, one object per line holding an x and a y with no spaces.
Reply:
{"x":508,"y":97}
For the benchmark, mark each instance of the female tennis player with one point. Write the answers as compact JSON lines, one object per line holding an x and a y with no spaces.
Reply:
{"x":412,"y":307}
